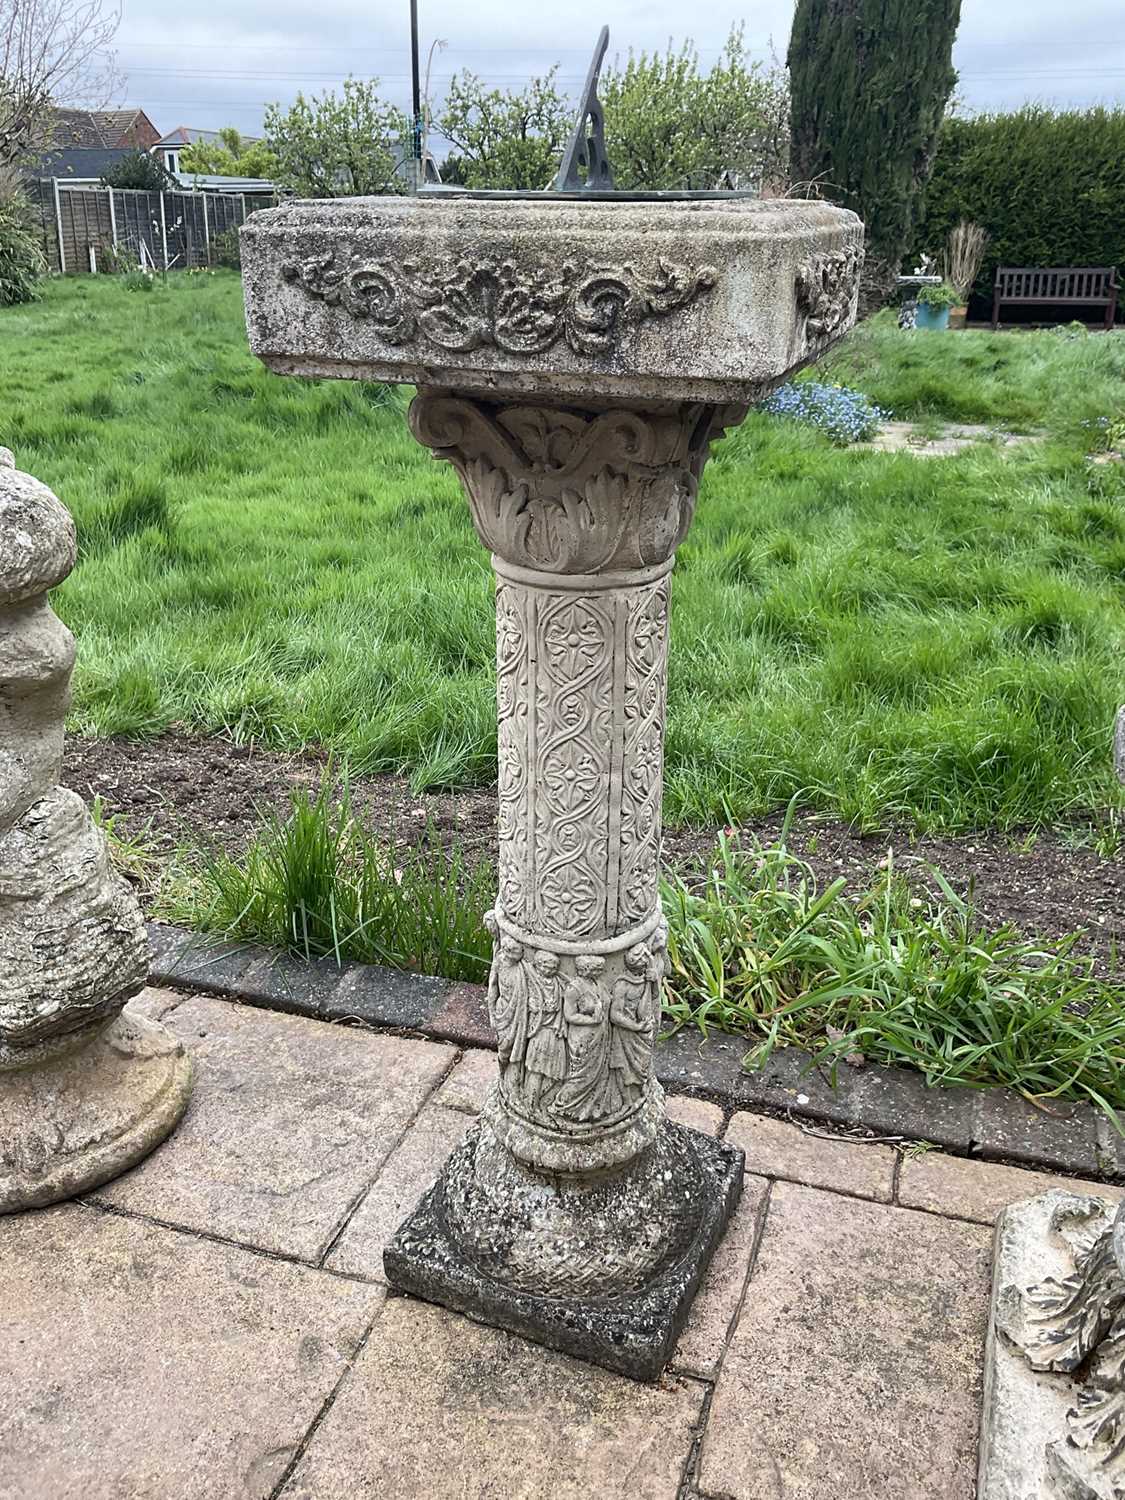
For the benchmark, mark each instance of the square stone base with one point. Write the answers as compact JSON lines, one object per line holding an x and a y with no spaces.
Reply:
{"x":633,"y":1333}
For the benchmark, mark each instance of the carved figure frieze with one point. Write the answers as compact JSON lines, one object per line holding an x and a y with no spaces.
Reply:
{"x":575,"y":1032}
{"x":1076,"y":1323}
{"x":828,"y":292}
{"x":518,"y":308}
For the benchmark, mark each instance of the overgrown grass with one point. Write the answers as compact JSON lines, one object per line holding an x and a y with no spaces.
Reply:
{"x":757,"y":949}
{"x":317,"y":884}
{"x":894,"y":639}
{"x":754,"y":949}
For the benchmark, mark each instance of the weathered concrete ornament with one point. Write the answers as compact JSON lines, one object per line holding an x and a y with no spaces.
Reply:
{"x":84,"y":1091}
{"x":1054,"y":1408}
{"x":576,"y":354}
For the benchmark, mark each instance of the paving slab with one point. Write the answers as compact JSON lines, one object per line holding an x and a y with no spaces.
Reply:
{"x":141,"y":1363}
{"x":155,"y":1002}
{"x":979,"y":1190}
{"x":440,"y":1408}
{"x":407,"y":1173}
{"x":703,"y":1342}
{"x":855,"y":1365}
{"x":290,"y":1121}
{"x":778,"y":1148}
{"x":697,"y":1114}
{"x":467,"y":1086}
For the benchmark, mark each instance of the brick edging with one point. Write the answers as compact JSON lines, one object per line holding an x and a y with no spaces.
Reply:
{"x":992,"y":1124}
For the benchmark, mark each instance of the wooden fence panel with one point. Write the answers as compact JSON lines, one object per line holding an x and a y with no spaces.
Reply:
{"x":98,"y":218}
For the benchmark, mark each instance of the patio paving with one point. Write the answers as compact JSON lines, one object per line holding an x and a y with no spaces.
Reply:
{"x":215,"y":1325}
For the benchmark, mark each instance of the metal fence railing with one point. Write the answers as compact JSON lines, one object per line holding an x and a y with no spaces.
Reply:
{"x":176,"y":231}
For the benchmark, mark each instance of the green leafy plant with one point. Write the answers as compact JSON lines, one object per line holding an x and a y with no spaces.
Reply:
{"x":757,"y":948}
{"x":22,"y":262}
{"x":140,"y":172}
{"x":336,"y":145}
{"x":226,"y":250}
{"x":945,"y":294}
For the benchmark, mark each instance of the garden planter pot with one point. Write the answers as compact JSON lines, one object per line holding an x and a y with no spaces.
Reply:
{"x":934,"y":318}
{"x":958,"y":317}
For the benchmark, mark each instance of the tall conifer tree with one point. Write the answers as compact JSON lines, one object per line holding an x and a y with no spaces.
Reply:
{"x":870,"y":80}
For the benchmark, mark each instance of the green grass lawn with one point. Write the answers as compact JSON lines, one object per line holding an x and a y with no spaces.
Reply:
{"x":891,"y":637}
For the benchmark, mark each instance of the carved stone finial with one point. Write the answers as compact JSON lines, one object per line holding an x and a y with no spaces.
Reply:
{"x":84,"y":1093}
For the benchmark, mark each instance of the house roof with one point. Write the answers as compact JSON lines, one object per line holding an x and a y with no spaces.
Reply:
{"x":188,"y":135}
{"x":81,"y":162}
{"x":91,"y":128}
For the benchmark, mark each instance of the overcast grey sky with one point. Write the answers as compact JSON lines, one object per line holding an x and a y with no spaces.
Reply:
{"x":216,"y":62}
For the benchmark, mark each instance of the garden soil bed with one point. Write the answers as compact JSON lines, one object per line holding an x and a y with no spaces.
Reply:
{"x":177,"y":789}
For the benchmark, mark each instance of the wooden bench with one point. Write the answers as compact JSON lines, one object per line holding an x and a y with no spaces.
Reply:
{"x":1027,"y":286}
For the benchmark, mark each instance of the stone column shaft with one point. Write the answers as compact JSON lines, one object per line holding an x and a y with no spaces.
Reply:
{"x":582,"y":511}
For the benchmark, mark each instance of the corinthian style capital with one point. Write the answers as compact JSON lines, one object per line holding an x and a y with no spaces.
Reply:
{"x":560,"y":490}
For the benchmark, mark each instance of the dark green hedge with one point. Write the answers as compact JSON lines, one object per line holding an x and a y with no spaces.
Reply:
{"x":1049,"y":187}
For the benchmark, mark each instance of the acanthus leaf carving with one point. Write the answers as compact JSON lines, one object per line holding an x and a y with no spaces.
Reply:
{"x":572,"y":492}
{"x":519,"y":309}
{"x":1076,"y":1324}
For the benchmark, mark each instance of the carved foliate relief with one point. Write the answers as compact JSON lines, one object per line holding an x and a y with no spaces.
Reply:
{"x":575,"y":1034}
{"x":521,"y":309}
{"x":828,"y":292}
{"x":580,"y":694}
{"x":572,"y":492}
{"x":1077,"y":1324}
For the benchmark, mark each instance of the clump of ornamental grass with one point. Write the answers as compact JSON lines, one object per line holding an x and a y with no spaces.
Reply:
{"x":758,"y":949}
{"x":319,"y":885}
{"x":844,"y":416}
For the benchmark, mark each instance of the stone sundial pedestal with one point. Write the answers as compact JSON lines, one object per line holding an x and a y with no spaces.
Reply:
{"x":574,"y":355}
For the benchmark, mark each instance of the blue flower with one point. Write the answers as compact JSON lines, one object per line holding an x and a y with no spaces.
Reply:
{"x":844,"y":416}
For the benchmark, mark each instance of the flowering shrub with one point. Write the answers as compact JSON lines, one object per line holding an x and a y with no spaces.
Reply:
{"x":845,"y":416}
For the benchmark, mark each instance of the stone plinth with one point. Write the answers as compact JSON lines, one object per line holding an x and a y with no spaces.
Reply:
{"x":575,"y":360}
{"x":84,"y":1093}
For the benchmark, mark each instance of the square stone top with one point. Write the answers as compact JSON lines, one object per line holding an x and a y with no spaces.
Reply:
{"x":709,"y":299}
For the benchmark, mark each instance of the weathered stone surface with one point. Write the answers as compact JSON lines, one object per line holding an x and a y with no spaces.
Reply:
{"x":292,"y":1119}
{"x":83,"y":1094}
{"x":137,"y":1362}
{"x":601,"y":1267}
{"x":574,"y":361}
{"x":72,"y":944}
{"x":403,"y":1178}
{"x":470,"y":1083}
{"x":979,"y":1190}
{"x":696,"y":1114}
{"x":775,"y":1148}
{"x":154,"y":1003}
{"x":855,"y":1365}
{"x":699,"y":301}
{"x":1119,"y":744}
{"x":463,"y":1018}
{"x":704,"y":1339}
{"x":86,"y":1116}
{"x":438,"y":1408}
{"x":1025,"y":1409}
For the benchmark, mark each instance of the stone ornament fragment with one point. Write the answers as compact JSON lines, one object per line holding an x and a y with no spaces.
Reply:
{"x":85,"y":1092}
{"x":1054,"y":1422}
{"x":574,"y":362}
